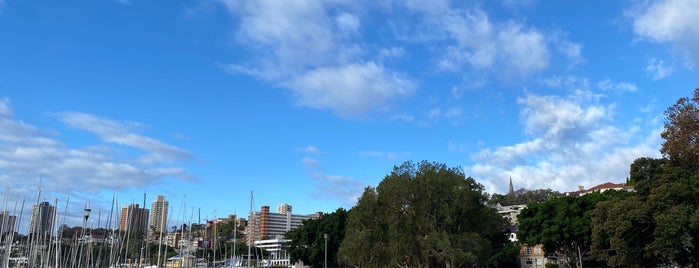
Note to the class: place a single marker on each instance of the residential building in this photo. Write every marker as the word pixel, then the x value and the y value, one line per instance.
pixel 7 223
pixel 601 188
pixel 43 216
pixel 133 219
pixel 532 256
pixel 263 225
pixel 283 208
pixel 158 217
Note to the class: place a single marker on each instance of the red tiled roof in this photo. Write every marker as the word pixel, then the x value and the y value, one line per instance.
pixel 606 185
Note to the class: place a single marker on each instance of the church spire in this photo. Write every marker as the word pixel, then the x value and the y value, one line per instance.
pixel 512 189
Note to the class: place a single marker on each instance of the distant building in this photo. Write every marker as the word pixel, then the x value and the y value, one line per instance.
pixel 158 218
pixel 7 223
pixel 43 216
pixel 283 208
pixel 277 248
pixel 532 256
pixel 510 213
pixel 133 219
pixel 601 188
pixel 264 225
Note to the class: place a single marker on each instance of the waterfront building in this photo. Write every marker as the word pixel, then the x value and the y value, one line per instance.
pixel 158 218
pixel 277 248
pixel 7 223
pixel 264 225
pixel 133 219
pixel 41 223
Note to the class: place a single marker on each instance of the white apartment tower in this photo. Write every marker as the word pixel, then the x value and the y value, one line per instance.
pixel 158 216
pixel 284 208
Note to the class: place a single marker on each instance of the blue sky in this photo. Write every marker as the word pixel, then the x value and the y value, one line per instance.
pixel 308 102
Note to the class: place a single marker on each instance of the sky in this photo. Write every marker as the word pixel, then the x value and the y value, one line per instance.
pixel 308 102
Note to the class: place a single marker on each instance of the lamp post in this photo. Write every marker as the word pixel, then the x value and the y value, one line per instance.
pixel 325 263
pixel 86 216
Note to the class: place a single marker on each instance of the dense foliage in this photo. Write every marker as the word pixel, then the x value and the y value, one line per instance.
pixel 308 241
pixel 424 215
pixel 563 224
pixel 660 224
pixel 522 197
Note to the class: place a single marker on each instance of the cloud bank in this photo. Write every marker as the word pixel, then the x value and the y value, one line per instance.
pixel 28 153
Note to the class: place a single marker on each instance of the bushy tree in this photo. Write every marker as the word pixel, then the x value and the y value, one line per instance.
pixel 308 241
pixel 523 197
pixel 660 224
pixel 424 215
pixel 563 224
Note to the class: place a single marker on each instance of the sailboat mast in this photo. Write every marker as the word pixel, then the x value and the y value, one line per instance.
pixel 251 230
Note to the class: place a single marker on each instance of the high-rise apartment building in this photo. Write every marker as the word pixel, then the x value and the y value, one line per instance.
pixel 133 219
pixel 266 225
pixel 283 208
pixel 7 223
pixel 42 219
pixel 158 216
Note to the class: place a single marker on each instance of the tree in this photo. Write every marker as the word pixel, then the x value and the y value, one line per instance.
pixel 681 133
pixel 563 224
pixel 660 224
pixel 424 215
pixel 308 241
pixel 523 197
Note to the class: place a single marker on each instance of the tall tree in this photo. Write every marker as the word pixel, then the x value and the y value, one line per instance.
pixel 681 132
pixel 424 215
pixel 563 224
pixel 660 224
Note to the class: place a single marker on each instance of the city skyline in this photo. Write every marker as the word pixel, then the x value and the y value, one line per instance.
pixel 309 102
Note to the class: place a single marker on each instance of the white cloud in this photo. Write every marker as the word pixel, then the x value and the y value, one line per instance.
pixel 575 144
pixel 609 85
pixel 379 154
pixel 515 4
pixel 347 23
pixel 391 52
pixel 333 187
pixel 351 90
pixel 403 117
pixel 670 21
pixel 119 133
pixel 310 149
pixel 525 51
pixel 566 82
pixel 311 162
pixel 657 69
pixel 508 49
pixel 26 153
pixel 300 46
pixel 572 51
pixel 5 109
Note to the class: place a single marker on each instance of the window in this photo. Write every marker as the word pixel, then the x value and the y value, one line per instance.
pixel 528 261
pixel 537 251
pixel 528 251
pixel 539 261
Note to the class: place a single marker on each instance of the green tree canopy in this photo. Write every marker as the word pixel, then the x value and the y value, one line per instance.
pixel 523 197
pixel 308 241
pixel 660 224
pixel 424 215
pixel 563 224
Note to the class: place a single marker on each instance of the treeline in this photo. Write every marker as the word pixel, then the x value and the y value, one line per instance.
pixel 430 215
